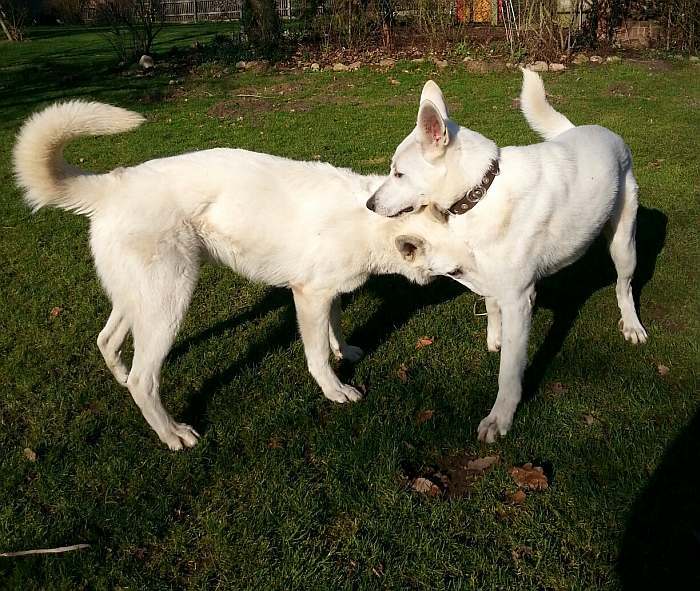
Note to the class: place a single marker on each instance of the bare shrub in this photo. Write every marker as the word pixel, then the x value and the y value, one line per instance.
pixel 133 25
pixel 66 11
pixel 434 18
pixel 540 29
pixel 680 19
pixel 349 23
pixel 13 18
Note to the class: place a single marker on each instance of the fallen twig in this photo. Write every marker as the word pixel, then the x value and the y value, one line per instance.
pixel 258 96
pixel 60 550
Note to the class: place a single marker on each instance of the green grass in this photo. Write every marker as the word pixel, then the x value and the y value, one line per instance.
pixel 328 509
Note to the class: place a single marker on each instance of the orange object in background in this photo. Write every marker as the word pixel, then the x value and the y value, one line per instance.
pixel 473 11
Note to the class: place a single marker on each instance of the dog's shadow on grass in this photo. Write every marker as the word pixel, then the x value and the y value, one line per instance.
pixel 661 544
pixel 566 292
pixel 400 301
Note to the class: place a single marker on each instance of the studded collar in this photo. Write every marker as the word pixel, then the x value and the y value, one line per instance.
pixel 476 194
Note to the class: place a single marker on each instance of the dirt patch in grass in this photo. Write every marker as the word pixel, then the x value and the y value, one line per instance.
pixel 659 313
pixel 652 65
pixel 262 101
pixel 452 476
pixel 620 89
pixel 401 100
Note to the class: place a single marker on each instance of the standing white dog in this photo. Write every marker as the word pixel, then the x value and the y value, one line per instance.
pixel 522 213
pixel 296 224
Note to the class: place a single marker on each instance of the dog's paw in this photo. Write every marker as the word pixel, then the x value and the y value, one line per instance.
pixel 495 424
pixel 633 331
pixel 179 436
pixel 343 393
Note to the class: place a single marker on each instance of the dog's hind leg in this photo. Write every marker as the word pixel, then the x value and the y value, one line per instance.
pixel 110 340
pixel 340 349
pixel 165 290
pixel 314 317
pixel 620 232
pixel 493 329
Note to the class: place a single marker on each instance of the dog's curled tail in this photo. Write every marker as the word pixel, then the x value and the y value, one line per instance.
pixel 539 114
pixel 38 154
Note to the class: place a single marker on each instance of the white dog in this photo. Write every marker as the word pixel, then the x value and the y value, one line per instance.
pixel 296 224
pixel 521 213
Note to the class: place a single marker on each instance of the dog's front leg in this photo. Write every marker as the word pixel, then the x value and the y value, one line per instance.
pixel 516 313
pixel 313 313
pixel 340 349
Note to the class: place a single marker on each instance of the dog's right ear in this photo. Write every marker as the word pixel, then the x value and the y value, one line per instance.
pixel 432 129
pixel 409 246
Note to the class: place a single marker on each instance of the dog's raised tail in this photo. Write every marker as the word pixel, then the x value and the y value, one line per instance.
pixel 539 114
pixel 38 154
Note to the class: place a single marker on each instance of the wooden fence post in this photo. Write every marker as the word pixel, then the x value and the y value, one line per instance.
pixel 195 11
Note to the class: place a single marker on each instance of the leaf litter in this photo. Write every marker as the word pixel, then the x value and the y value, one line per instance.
pixel 529 477
pixel 451 476
pixel 424 342
pixel 424 416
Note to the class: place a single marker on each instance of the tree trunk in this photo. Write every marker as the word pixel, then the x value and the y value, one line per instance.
pixel 261 24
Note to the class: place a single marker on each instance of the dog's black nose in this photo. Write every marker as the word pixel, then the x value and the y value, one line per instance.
pixel 371 203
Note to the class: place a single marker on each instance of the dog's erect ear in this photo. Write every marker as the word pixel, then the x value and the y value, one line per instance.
pixel 409 246
pixel 431 92
pixel 432 130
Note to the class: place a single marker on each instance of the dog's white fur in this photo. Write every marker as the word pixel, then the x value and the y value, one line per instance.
pixel 303 225
pixel 541 213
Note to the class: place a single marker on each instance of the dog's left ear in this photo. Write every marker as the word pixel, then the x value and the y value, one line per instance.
pixel 432 129
pixel 409 246
pixel 431 92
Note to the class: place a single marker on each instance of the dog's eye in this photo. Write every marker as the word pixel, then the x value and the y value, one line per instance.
pixel 398 174
pixel 456 272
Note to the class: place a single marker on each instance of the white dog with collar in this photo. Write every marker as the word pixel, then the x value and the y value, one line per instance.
pixel 540 213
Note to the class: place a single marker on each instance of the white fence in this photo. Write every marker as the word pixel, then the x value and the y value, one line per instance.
pixel 193 11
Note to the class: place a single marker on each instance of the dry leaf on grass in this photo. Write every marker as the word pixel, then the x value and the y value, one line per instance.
pixel 29 454
pixel 516 498
pixel 589 419
pixel 56 311
pixel 402 373
pixel 394 82
pixel 482 464
pixel 662 369
pixel 530 477
pixel 423 416
pixel 424 342
pixel 425 487
pixel 558 388
pixel 275 443
pixel 521 552
pixel 378 570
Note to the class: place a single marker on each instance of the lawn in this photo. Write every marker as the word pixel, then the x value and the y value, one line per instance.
pixel 287 490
